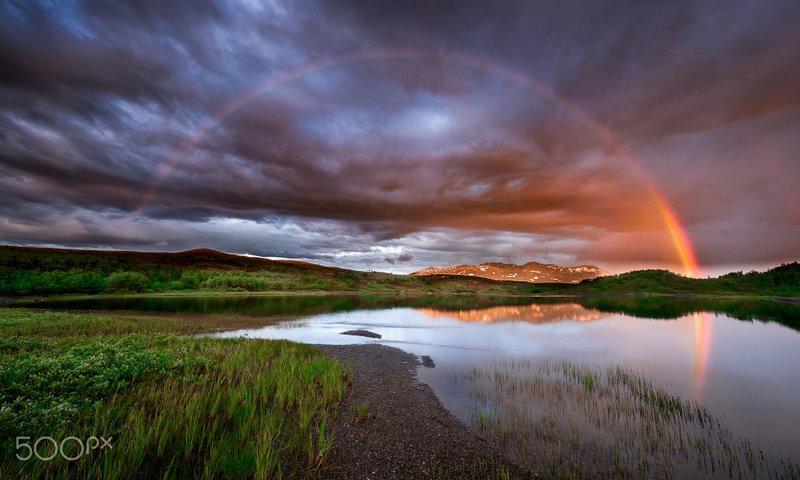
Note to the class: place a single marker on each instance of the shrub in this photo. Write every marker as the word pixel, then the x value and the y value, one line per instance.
pixel 127 281
pixel 190 280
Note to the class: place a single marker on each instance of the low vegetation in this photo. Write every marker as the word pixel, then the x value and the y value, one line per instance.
pixel 779 281
pixel 173 405
pixel 32 271
pixel 571 420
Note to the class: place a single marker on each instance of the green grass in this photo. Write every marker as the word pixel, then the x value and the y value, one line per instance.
pixel 175 405
pixel 570 420
pixel 361 412
pixel 22 324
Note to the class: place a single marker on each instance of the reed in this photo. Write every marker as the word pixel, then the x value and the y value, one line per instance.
pixel 572 420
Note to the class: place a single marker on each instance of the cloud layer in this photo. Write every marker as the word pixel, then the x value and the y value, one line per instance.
pixel 399 160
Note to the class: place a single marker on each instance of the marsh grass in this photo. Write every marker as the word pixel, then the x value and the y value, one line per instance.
pixel 571 420
pixel 22 324
pixel 175 405
pixel 361 412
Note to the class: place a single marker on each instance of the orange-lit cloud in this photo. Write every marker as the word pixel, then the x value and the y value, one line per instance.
pixel 620 134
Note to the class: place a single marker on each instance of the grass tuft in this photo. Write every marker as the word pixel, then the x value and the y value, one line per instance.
pixel 361 412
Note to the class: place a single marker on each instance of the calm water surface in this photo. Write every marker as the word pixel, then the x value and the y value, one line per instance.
pixel 739 358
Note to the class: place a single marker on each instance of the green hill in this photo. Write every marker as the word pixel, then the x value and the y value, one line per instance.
pixel 47 271
pixel 780 281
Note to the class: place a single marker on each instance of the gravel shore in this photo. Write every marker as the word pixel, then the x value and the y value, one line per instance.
pixel 406 432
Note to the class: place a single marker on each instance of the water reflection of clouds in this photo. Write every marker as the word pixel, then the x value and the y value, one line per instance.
pixel 744 354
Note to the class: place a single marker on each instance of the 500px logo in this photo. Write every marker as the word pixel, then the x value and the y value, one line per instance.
pixel 70 448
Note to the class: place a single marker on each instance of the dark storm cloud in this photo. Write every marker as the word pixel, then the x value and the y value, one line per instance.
pixel 404 258
pixel 403 160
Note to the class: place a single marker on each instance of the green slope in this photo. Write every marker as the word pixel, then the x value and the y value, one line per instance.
pixel 37 271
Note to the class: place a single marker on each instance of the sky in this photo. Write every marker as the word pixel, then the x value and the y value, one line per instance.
pixel 398 135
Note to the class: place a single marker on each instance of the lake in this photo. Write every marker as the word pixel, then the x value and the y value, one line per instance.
pixel 739 358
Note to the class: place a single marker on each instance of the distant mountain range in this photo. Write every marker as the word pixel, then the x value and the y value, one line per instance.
pixel 532 272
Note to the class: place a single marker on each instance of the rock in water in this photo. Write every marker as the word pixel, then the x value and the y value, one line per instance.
pixel 362 333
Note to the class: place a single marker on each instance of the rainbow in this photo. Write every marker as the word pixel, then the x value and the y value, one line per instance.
pixel 702 347
pixel 680 239
pixel 677 232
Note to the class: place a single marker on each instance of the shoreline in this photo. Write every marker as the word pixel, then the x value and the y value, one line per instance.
pixel 37 299
pixel 391 425
pixel 280 293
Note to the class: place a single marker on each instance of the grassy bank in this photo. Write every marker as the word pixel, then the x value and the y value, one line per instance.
pixel 574 421
pixel 173 404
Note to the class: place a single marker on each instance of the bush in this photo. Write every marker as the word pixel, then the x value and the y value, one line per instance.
pixel 190 280
pixel 127 281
